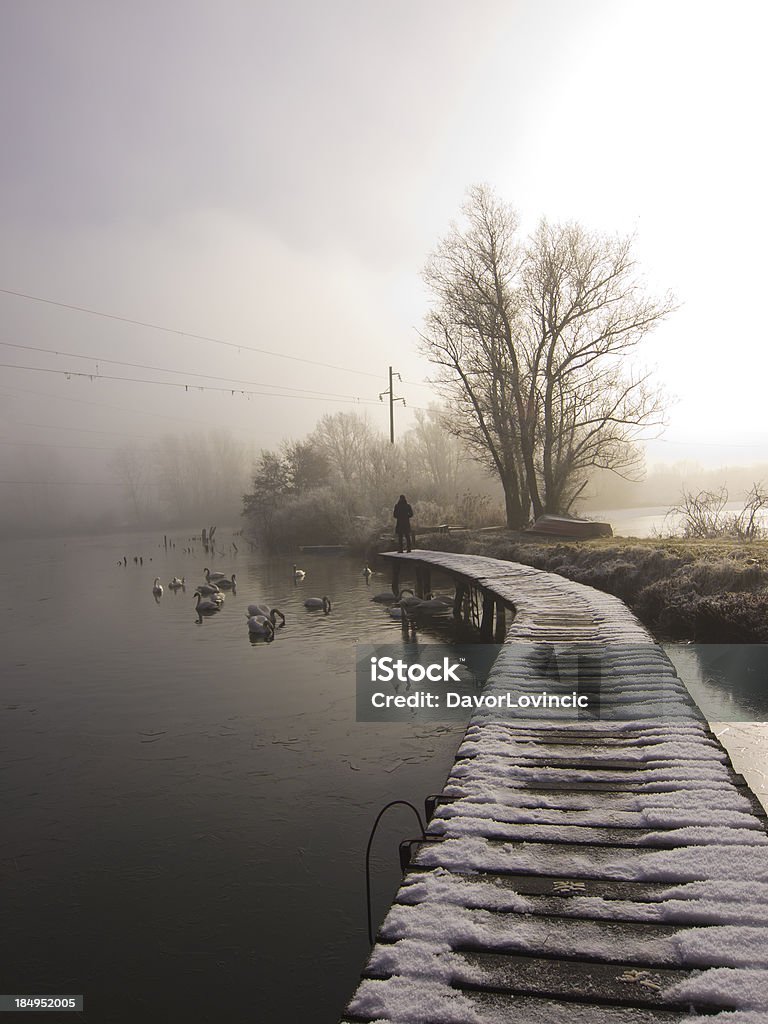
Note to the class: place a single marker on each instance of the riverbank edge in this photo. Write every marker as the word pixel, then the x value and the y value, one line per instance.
pixel 706 591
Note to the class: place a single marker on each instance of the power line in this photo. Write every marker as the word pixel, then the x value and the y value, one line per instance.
pixel 164 369
pixel 179 384
pixel 104 405
pixel 184 334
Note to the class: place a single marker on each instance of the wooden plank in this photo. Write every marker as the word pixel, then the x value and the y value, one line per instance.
pixel 609 958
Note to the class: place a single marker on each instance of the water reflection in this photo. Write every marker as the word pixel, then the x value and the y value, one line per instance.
pixel 729 682
pixel 230 801
pixel 260 638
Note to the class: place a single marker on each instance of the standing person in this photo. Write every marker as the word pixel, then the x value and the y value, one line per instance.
pixel 403 513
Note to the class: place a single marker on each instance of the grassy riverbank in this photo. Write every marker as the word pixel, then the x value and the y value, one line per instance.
pixel 708 591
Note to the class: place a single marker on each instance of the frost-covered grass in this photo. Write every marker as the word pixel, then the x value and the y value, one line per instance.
pixel 708 591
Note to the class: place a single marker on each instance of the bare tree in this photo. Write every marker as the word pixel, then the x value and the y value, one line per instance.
pixel 433 455
pixel 344 437
pixel 705 514
pixel 532 339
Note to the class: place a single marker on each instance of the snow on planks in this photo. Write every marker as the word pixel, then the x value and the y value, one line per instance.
pixel 610 871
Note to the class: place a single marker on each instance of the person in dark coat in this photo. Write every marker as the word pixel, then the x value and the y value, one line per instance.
pixel 403 513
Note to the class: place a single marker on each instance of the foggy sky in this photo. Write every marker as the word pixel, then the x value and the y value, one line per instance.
pixel 276 174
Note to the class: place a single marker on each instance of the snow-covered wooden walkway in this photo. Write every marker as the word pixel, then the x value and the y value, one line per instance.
pixel 609 870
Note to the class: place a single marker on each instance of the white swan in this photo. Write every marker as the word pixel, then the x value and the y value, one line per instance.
pixel 319 602
pixel 205 606
pixel 298 574
pixel 207 589
pixel 261 610
pixel 435 606
pixel 387 597
pixel 256 609
pixel 176 582
pixel 260 625
pixel 367 571
pixel 225 584
pixel 157 589
pixel 214 577
pixel 217 598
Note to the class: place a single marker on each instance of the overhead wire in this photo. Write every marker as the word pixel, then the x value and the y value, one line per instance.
pixel 164 369
pixel 184 334
pixel 93 376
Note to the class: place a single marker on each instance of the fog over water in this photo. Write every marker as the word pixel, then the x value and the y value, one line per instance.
pixel 265 181
pixel 215 219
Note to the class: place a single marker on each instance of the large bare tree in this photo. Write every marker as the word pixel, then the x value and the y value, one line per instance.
pixel 533 337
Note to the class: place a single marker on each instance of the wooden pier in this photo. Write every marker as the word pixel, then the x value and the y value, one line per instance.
pixel 602 870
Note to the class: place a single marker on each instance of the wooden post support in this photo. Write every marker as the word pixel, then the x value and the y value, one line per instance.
pixel 395 576
pixel 501 623
pixel 419 581
pixel 458 601
pixel 486 622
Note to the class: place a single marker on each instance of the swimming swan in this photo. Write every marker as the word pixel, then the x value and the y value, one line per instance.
pixel 298 574
pixel 225 584
pixel 257 609
pixel 206 606
pixel 266 613
pixel 318 602
pixel 260 625
pixel 157 589
pixel 435 606
pixel 214 577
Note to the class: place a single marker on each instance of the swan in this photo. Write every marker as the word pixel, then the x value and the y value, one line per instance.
pixel 157 589
pixel 256 609
pixel 385 598
pixel 318 602
pixel 298 574
pixel 264 612
pixel 214 577
pixel 217 598
pixel 225 584
pixel 176 582
pixel 260 625
pixel 205 606
pixel 207 589
pixel 367 571
pixel 435 606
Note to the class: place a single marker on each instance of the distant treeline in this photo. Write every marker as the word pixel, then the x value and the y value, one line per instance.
pixel 340 483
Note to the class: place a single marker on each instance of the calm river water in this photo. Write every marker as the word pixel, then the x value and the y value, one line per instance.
pixel 185 813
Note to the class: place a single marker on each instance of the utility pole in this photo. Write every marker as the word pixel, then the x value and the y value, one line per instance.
pixel 391 392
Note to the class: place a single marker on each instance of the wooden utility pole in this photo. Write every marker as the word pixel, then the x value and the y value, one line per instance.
pixel 391 392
